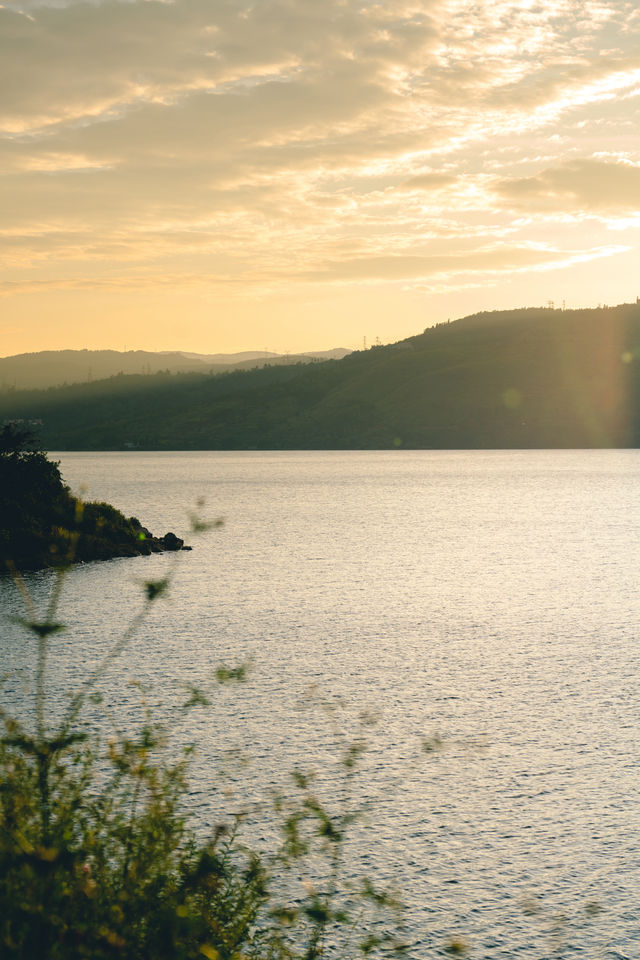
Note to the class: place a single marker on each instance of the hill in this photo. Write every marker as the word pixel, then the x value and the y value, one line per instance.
pixel 53 368
pixel 523 378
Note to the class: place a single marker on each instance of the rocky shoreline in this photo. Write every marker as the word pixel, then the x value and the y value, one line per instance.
pixel 94 537
pixel 141 543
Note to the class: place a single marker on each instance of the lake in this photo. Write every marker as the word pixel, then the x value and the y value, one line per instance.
pixel 489 600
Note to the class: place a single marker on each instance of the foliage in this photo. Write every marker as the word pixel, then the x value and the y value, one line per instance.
pixel 98 859
pixel 42 524
pixel 111 872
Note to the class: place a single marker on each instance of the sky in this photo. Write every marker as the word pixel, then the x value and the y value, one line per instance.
pixel 223 175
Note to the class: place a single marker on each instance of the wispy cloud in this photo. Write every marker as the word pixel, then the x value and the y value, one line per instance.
pixel 271 144
pixel 583 185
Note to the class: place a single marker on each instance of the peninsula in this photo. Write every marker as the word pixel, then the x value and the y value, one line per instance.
pixel 43 525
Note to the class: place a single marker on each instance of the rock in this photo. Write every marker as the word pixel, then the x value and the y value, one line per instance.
pixel 171 542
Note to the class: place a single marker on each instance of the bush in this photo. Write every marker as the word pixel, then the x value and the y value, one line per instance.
pixel 114 872
pixel 98 860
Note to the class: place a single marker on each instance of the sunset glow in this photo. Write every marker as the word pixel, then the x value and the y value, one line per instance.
pixel 220 175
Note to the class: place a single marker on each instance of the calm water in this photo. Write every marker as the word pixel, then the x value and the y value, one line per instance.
pixel 490 598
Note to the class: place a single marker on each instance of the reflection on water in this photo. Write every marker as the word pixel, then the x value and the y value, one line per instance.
pixel 488 599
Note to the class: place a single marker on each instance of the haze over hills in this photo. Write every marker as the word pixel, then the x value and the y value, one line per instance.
pixel 52 368
pixel 534 377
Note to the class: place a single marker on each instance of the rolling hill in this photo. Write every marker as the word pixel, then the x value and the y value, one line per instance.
pixel 53 368
pixel 534 377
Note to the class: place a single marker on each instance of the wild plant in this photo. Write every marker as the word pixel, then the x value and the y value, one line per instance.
pixel 99 858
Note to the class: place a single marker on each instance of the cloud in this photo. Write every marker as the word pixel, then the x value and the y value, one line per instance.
pixel 85 59
pixel 261 142
pixel 428 181
pixel 586 184
pixel 455 270
pixel 408 267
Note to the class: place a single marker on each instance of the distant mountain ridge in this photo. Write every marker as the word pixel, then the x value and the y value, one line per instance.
pixel 532 377
pixel 53 368
pixel 233 359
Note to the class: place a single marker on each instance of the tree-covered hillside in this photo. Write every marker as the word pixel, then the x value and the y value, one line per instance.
pixel 523 378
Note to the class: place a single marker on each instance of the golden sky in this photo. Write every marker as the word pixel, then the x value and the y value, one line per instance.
pixel 219 175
